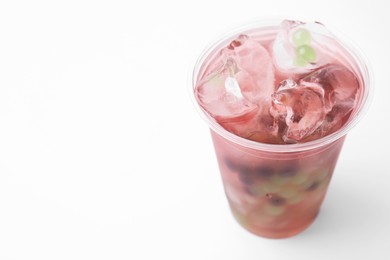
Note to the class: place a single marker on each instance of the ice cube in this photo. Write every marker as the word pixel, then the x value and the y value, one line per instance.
pixel 220 95
pixel 239 86
pixel 301 47
pixel 298 110
pixel 255 70
pixel 256 126
pixel 316 106
pixel 340 94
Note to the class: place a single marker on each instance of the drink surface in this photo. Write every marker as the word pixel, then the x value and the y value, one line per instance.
pixel 287 84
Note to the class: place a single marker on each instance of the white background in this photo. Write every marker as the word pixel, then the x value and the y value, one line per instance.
pixel 103 156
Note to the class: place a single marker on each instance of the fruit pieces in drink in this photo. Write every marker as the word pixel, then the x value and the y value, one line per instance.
pixel 275 195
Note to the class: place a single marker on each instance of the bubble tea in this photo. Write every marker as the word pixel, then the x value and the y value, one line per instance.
pixel 279 100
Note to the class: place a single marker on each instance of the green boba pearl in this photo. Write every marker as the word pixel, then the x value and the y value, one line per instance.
pixel 279 181
pixel 300 62
pixel 299 179
pixel 301 37
pixel 306 52
pixel 271 188
pixel 257 190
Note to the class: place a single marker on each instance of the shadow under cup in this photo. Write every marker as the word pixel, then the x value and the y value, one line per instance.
pixel 276 190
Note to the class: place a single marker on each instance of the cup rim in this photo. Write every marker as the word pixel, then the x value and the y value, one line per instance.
pixel 362 67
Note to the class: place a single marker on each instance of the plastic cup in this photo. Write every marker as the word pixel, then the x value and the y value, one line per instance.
pixel 275 190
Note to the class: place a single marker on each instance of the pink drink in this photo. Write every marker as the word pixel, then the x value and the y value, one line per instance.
pixel 279 101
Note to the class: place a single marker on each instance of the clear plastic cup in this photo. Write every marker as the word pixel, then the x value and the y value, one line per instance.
pixel 276 190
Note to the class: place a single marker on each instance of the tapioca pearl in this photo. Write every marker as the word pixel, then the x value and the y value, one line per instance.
pixel 288 192
pixel 301 37
pixel 279 181
pixel 263 172
pixel 256 190
pixel 309 181
pixel 312 186
pixel 296 198
pixel 246 175
pixel 299 178
pixel 275 199
pixel 271 188
pixel 299 61
pixel 273 210
pixel 287 172
pixel 319 183
pixel 230 164
pixel 306 52
pixel 324 184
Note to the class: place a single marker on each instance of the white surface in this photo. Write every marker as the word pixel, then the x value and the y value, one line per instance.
pixel 102 155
